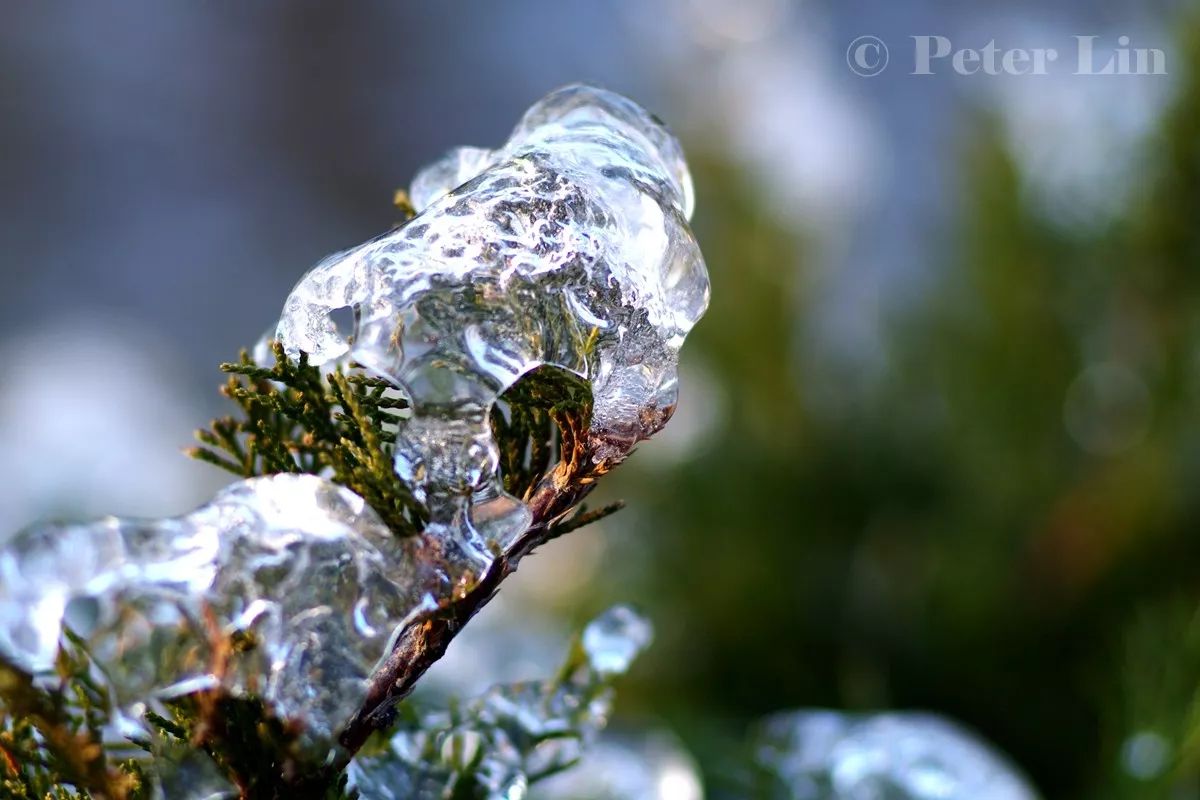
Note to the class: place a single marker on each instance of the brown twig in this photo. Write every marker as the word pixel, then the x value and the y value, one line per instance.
pixel 425 641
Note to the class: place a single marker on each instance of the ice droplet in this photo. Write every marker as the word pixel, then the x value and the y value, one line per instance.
pixel 509 736
pixel 825 755
pixel 615 638
pixel 569 247
pixel 299 569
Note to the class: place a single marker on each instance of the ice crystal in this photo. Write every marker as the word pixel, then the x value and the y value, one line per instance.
pixel 297 571
pixel 494 746
pixel 567 247
pixel 824 755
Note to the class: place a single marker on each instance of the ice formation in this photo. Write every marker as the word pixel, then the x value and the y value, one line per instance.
pixel 825 755
pixel 299 569
pixel 499 743
pixel 567 247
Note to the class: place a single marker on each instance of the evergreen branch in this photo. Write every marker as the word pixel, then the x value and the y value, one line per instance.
pixel 530 434
pixel 581 518
pixel 550 499
pixel 344 425
pixel 296 420
pixel 293 419
pixel 51 740
pixel 403 204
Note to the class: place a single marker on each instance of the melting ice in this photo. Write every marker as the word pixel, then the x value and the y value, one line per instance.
pixel 495 746
pixel 569 246
pixel 299 568
pixel 824 755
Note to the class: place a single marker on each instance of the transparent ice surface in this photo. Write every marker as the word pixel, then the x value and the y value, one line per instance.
pixel 494 746
pixel 297 569
pixel 825 755
pixel 569 246
pixel 614 640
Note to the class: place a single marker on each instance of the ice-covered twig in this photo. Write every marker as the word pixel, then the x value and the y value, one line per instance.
pixel 511 735
pixel 423 643
pixel 562 259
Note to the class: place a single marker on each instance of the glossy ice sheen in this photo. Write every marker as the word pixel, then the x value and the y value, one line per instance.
pixel 510 735
pixel 825 755
pixel 614 640
pixel 299 566
pixel 569 246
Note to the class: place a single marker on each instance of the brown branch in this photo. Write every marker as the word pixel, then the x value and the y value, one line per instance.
pixel 425 641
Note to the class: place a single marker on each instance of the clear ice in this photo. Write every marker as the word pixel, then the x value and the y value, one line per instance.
pixel 298 568
pixel 567 247
pixel 494 746
pixel 825 755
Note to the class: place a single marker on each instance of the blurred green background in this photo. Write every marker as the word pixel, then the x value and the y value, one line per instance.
pixel 939 439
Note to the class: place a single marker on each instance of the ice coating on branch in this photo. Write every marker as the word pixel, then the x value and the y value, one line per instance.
pixel 569 247
pixel 825 755
pixel 296 569
pixel 453 169
pixel 497 744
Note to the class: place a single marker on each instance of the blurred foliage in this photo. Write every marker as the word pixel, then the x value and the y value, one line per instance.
pixel 49 739
pixel 1004 530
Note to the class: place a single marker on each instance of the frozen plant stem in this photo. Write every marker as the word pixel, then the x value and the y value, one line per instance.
pixel 294 419
pixel 423 643
pixel 566 251
pixel 512 342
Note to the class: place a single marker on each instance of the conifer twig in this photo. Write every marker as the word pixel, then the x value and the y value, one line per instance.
pixel 343 425
pixel 424 642
pixel 296 420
